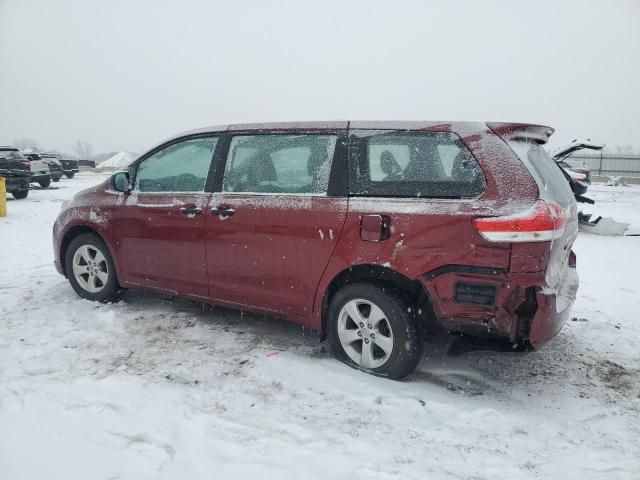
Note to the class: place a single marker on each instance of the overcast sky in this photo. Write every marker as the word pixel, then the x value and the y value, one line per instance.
pixel 126 74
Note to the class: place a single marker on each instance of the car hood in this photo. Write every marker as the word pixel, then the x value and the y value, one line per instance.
pixel 50 161
pixel 574 175
pixel 573 147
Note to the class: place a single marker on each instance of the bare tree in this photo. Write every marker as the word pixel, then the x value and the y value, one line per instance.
pixel 83 149
pixel 26 143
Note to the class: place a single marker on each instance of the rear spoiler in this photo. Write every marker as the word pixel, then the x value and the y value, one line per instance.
pixel 524 131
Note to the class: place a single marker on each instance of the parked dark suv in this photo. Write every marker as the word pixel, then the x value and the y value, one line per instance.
pixel 364 231
pixel 15 168
pixel 70 167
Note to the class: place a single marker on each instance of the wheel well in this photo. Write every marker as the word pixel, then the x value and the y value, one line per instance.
pixel 411 291
pixel 70 235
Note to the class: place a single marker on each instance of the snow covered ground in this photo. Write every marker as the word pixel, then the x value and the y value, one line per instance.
pixel 154 388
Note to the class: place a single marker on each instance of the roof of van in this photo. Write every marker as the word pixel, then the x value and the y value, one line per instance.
pixel 366 124
pixel 540 132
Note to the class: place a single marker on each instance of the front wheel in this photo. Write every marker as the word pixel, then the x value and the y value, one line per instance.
pixel 90 269
pixel 20 194
pixel 372 329
pixel 45 182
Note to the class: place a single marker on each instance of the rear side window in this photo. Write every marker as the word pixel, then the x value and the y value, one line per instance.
pixel 279 164
pixel 11 155
pixel 180 167
pixel 413 164
pixel 548 175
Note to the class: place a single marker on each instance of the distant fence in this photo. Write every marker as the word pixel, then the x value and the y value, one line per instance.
pixel 611 164
pixel 607 165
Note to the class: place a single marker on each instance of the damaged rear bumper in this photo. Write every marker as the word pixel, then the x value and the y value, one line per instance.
pixel 554 308
pixel 517 308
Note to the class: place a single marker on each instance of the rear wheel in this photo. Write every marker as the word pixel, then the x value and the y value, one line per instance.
pixel 374 330
pixel 45 182
pixel 69 175
pixel 56 179
pixel 20 194
pixel 90 269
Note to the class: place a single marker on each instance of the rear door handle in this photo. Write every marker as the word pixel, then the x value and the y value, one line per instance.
pixel 223 212
pixel 190 211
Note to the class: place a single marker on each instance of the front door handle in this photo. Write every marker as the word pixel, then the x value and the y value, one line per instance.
pixel 190 211
pixel 223 212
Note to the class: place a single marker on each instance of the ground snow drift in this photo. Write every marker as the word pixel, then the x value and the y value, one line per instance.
pixel 154 388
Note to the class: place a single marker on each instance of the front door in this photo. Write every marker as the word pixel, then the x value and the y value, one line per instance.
pixel 272 229
pixel 159 233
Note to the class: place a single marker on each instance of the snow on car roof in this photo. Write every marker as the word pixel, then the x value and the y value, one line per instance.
pixel 540 132
pixel 360 124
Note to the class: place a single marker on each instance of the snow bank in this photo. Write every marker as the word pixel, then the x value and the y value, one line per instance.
pixel 119 161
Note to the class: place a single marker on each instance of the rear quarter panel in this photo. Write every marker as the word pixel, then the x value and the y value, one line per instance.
pixel 430 233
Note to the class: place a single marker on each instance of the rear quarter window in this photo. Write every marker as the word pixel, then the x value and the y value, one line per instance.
pixel 413 164
pixel 548 175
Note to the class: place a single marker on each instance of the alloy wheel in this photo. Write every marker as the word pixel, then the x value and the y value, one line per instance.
pixel 365 333
pixel 90 268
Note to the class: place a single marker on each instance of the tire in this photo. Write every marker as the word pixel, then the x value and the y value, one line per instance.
pixel 20 194
pixel 56 179
pixel 69 175
pixel 45 182
pixel 387 321
pixel 97 280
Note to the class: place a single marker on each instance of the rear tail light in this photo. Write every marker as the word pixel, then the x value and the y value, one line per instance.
pixel 24 164
pixel 543 222
pixel 580 178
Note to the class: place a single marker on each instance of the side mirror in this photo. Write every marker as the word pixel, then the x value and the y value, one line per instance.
pixel 120 181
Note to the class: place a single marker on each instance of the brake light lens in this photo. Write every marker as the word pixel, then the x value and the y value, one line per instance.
pixel 580 178
pixel 543 222
pixel 24 164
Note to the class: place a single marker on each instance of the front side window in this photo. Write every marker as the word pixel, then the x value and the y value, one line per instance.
pixel 413 164
pixel 180 167
pixel 279 164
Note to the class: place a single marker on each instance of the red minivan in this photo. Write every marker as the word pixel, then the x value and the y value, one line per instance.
pixel 365 231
